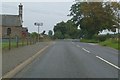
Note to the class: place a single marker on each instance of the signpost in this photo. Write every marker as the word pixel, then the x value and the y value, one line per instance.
pixel 38 24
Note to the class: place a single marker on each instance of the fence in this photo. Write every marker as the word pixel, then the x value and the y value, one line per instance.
pixel 16 42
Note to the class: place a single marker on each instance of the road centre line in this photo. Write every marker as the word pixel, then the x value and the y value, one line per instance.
pixel 86 50
pixel 108 62
pixel 102 59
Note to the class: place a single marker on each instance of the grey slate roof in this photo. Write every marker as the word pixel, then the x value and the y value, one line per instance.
pixel 10 20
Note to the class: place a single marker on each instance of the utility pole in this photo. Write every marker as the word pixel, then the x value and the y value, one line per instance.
pixel 38 24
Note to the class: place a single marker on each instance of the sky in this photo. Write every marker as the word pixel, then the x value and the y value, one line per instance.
pixel 49 13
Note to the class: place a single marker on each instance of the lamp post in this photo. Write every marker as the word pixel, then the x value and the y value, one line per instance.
pixel 38 24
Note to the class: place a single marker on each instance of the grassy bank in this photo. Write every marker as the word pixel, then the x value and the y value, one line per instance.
pixel 89 41
pixel 109 42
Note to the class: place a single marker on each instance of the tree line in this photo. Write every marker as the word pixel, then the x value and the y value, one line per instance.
pixel 91 17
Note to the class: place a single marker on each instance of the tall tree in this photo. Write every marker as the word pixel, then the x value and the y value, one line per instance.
pixel 66 30
pixel 93 17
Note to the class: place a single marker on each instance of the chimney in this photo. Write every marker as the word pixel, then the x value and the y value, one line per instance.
pixel 20 12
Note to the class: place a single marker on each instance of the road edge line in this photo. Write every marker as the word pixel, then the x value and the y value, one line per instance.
pixel 18 68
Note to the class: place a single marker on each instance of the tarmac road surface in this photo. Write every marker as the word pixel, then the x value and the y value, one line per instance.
pixel 69 59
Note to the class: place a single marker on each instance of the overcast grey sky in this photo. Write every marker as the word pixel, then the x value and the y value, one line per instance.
pixel 49 13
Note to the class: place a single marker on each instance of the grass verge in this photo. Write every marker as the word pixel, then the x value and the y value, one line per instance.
pixel 89 41
pixel 5 45
pixel 109 42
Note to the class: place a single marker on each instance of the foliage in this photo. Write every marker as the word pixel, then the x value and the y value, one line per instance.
pixel 111 43
pixel 67 29
pixel 50 33
pixel 89 41
pixel 58 34
pixel 94 17
pixel 34 34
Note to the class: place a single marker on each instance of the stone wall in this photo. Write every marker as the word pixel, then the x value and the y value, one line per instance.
pixel 15 31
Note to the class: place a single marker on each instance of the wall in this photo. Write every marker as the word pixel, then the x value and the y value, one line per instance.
pixel 15 31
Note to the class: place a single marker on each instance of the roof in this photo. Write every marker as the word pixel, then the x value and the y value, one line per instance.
pixel 10 20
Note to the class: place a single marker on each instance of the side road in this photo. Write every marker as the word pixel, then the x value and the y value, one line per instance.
pixel 12 58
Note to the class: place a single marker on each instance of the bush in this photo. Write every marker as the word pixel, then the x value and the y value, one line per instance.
pixel 102 38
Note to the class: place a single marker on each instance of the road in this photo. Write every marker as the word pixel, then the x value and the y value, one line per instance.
pixel 12 58
pixel 69 59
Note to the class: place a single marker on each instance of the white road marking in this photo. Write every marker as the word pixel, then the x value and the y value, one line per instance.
pixel 108 62
pixel 92 44
pixel 77 45
pixel 86 50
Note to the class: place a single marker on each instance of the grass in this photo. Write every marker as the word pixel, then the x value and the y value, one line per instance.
pixel 89 41
pixel 5 45
pixel 109 42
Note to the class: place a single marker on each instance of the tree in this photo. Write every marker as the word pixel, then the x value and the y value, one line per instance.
pixel 59 30
pixel 58 35
pixel 93 17
pixel 66 30
pixel 34 34
pixel 72 30
pixel 50 33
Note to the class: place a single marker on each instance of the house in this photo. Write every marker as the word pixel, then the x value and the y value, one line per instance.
pixel 14 22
